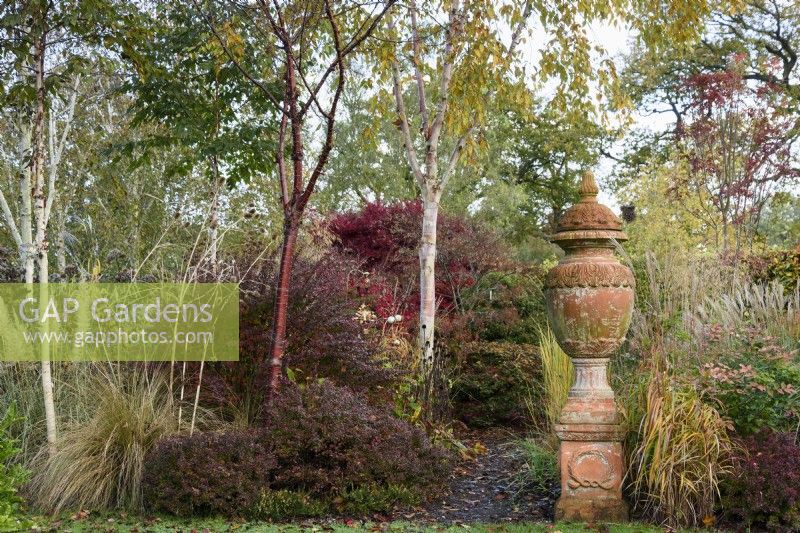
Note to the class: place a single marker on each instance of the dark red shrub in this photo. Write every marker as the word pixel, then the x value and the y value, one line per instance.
pixel 765 488
pixel 383 236
pixel 208 473
pixel 328 439
pixel 324 337
pixel 321 440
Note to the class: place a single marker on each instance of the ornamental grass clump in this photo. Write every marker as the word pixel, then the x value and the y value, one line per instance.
pixel 538 472
pixel 557 377
pixel 678 455
pixel 98 463
pixel 771 308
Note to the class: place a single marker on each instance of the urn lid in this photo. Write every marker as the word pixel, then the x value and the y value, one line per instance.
pixel 588 219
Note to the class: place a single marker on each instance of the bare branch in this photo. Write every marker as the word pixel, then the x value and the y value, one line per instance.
pixel 57 149
pixel 448 59
pixel 515 36
pixel 404 127
pixel 280 157
pixel 417 61
pixel 235 61
pixel 9 219
pixel 357 39
pixel 331 116
pixel 454 156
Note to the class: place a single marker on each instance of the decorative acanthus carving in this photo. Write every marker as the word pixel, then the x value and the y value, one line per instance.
pixel 571 275
pixel 600 347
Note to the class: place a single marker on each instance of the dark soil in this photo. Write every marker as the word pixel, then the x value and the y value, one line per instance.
pixel 483 489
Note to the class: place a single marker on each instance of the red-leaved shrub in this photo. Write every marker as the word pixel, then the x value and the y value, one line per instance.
pixel 765 488
pixel 386 239
pixel 321 440
pixel 208 473
pixel 327 439
pixel 324 337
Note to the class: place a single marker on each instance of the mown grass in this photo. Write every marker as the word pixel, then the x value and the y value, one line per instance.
pixel 121 523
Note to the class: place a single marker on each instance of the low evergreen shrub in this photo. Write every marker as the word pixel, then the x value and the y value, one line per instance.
pixel 278 505
pixel 12 476
pixel 374 498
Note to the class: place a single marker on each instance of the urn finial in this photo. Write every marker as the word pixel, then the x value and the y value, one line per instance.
pixel 588 189
pixel 588 219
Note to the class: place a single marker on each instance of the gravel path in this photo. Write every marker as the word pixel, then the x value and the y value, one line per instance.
pixel 483 489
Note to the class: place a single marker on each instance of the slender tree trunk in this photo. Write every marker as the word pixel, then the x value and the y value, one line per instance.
pixel 47 375
pixel 427 278
pixel 213 221
pixel 279 320
pixel 213 237
pixel 40 242
pixel 25 208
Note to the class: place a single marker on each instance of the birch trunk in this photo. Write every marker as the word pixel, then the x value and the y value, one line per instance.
pixel 427 279
pixel 40 242
pixel 213 222
pixel 47 373
pixel 61 247
pixel 25 208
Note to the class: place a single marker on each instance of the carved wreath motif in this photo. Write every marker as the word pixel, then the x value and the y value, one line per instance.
pixel 571 275
pixel 590 479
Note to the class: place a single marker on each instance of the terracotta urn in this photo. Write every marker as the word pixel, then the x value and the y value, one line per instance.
pixel 590 297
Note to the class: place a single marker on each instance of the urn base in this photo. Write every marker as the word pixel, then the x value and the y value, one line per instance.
pixel 591 477
pixel 579 510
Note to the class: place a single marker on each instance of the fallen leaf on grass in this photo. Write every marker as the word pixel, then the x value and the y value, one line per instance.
pixel 80 515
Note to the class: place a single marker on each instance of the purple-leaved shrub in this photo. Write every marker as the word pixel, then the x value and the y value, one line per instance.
pixel 318 440
pixel 764 490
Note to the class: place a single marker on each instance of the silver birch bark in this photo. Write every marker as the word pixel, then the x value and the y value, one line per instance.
pixel 35 203
pixel 431 180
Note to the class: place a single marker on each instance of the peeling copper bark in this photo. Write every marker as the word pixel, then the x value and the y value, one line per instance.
pixel 589 303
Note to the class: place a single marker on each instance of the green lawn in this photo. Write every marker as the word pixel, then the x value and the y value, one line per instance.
pixel 98 523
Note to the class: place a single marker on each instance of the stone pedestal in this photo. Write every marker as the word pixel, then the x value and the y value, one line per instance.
pixel 590 453
pixel 589 302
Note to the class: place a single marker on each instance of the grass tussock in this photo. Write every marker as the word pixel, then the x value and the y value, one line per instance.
pixel 538 471
pixel 21 386
pixel 771 307
pixel 681 451
pixel 557 376
pixel 98 463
